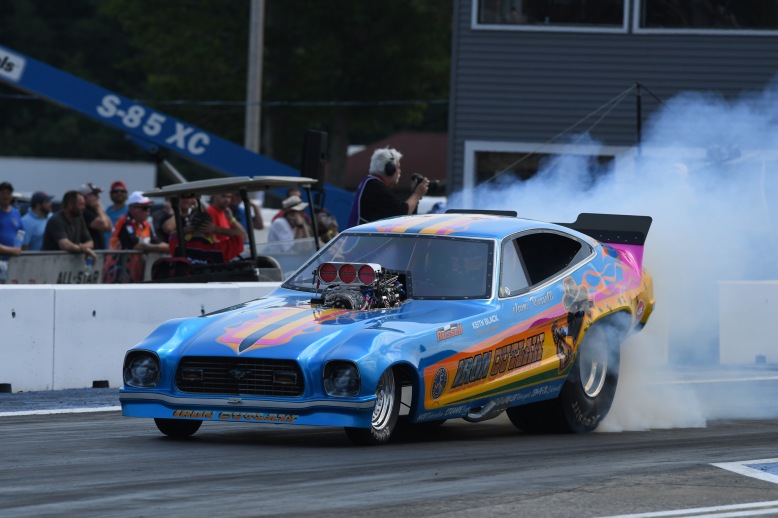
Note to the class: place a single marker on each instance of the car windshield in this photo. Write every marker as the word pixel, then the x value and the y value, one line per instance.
pixel 435 266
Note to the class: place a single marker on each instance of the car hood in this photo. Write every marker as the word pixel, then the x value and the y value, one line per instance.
pixel 288 326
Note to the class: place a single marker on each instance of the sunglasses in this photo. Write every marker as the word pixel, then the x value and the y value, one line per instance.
pixel 119 190
pixel 143 207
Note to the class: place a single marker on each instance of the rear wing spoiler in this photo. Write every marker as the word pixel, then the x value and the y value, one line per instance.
pixel 625 233
pixel 612 228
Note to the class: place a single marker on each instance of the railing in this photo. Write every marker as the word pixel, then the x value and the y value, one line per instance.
pixel 128 266
pixel 111 267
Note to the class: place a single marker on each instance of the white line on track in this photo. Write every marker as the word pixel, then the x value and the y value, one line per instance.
pixel 62 411
pixel 718 511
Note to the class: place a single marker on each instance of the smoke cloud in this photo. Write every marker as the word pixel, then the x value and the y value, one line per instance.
pixel 705 175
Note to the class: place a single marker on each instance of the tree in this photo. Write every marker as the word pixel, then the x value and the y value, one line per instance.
pixel 347 67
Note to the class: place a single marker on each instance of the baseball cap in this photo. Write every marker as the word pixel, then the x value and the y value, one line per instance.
pixel 90 188
pixel 119 184
pixel 294 203
pixel 137 198
pixel 40 197
pixel 6 186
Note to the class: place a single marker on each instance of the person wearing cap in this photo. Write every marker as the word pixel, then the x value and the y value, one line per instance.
pixel 225 223
pixel 35 220
pixel 97 221
pixel 133 231
pixel 291 225
pixel 374 198
pixel 118 194
pixel 10 223
pixel 66 230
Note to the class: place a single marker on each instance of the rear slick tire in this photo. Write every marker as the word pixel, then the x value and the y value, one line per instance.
pixel 385 413
pixel 587 393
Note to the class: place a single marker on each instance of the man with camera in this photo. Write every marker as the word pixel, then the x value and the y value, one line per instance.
pixel 374 198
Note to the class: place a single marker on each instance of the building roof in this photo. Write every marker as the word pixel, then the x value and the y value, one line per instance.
pixel 423 153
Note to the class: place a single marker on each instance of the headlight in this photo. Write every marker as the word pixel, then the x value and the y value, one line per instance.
pixel 141 371
pixel 341 379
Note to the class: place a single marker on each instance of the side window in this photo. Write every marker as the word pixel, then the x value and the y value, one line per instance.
pixel 513 278
pixel 545 254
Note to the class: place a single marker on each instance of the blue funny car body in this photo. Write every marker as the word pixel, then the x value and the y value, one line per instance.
pixel 411 320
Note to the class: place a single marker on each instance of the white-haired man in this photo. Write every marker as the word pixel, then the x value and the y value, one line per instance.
pixel 374 198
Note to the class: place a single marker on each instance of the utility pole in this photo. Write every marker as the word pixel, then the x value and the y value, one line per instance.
pixel 254 80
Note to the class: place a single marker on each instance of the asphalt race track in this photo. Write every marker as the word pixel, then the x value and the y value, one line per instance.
pixel 103 464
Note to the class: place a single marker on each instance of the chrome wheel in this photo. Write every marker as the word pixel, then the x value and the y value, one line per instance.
pixel 593 368
pixel 385 395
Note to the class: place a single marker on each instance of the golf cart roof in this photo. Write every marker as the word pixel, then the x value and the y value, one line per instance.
pixel 223 185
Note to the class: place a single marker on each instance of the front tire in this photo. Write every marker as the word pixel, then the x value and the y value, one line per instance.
pixel 385 413
pixel 587 394
pixel 177 428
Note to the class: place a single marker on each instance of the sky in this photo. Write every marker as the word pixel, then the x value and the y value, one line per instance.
pixel 705 178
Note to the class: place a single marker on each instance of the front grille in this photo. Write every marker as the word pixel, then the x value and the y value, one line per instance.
pixel 245 376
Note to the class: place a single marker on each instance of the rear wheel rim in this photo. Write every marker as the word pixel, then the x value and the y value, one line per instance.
pixel 384 401
pixel 593 369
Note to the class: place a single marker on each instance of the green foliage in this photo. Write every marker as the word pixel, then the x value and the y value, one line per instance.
pixel 328 65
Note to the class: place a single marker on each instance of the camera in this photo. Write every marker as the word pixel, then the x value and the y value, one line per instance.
pixel 432 188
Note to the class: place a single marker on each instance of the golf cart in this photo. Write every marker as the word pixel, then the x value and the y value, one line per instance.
pixel 253 266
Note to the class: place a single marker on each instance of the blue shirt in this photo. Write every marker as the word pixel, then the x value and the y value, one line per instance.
pixel 10 223
pixel 34 227
pixel 114 215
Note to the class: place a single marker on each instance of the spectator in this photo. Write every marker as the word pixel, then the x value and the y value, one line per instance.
pixel 133 231
pixel 292 191
pixel 35 220
pixel 10 223
pixel 374 199
pixel 118 209
pixel 201 247
pixel 225 224
pixel 328 225
pixel 66 230
pixel 291 225
pixel 236 205
pixel 97 221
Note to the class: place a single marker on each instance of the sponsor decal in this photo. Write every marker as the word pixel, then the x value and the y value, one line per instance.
pixel 640 309
pixel 517 354
pixel 439 383
pixel 11 65
pixel 194 414
pixel 472 369
pixel 519 308
pixel 544 299
pixel 533 302
pixel 449 331
pixel 257 417
pixel 486 321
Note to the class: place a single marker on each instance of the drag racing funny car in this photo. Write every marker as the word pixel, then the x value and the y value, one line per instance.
pixel 407 322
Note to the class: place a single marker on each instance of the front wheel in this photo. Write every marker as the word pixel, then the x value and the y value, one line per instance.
pixel 587 394
pixel 177 427
pixel 385 413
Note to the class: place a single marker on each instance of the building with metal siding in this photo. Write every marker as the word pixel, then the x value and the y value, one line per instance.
pixel 516 87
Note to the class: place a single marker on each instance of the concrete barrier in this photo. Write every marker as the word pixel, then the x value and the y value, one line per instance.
pixel 67 336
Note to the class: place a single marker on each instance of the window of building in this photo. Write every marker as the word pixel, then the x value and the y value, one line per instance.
pixel 728 15
pixel 490 165
pixel 588 15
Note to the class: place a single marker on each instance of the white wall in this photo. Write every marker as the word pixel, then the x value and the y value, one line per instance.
pixel 746 313
pixel 57 176
pixel 67 336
